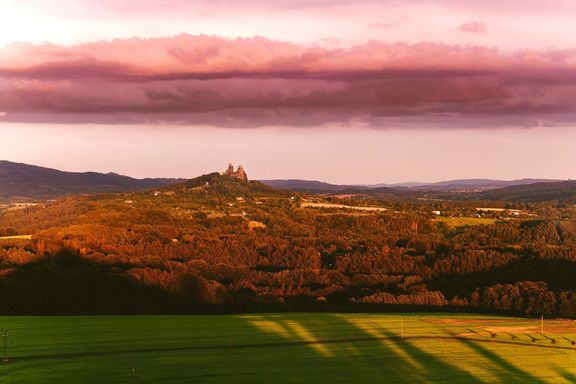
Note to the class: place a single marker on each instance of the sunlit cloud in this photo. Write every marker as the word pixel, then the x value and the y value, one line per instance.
pixel 514 25
pixel 190 78
pixel 473 27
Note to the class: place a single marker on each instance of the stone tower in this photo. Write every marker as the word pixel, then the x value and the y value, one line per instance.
pixel 239 173
pixel 230 170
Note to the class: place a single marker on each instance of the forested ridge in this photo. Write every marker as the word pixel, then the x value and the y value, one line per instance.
pixel 28 182
pixel 219 244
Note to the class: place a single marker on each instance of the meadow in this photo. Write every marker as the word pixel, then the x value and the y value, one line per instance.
pixel 465 221
pixel 288 348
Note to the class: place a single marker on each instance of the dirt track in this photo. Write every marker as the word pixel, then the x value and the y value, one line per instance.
pixel 287 344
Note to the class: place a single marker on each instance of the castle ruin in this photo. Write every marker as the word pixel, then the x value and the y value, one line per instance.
pixel 239 173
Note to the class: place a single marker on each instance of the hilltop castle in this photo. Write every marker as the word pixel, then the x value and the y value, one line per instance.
pixel 239 173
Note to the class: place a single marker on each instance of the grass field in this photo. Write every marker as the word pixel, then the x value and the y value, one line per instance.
pixel 288 348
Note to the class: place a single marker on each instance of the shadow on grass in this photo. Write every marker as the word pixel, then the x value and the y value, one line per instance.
pixel 432 368
pixel 503 369
pixel 365 350
pixel 292 348
pixel 570 377
pixel 355 352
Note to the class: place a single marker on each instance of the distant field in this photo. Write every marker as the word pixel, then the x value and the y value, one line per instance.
pixel 17 206
pixel 464 221
pixel 288 348
pixel 22 237
pixel 310 204
pixel 499 210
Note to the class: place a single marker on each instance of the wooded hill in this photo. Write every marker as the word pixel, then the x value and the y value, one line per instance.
pixel 562 191
pixel 216 243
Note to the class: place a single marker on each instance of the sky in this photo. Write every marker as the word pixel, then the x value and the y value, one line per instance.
pixel 363 91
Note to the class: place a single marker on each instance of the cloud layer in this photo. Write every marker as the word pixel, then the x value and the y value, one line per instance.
pixel 257 81
pixel 114 7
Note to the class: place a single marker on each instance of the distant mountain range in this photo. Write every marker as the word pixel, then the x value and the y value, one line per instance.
pixel 527 190
pixel 462 184
pixel 562 191
pixel 309 185
pixel 23 181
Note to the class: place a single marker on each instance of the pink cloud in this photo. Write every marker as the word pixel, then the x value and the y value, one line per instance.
pixel 473 27
pixel 122 7
pixel 195 78
pixel 115 7
pixel 498 6
pixel 187 55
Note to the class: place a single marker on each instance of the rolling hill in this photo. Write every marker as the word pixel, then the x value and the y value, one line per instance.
pixel 479 184
pixel 28 182
pixel 448 185
pixel 23 181
pixel 216 184
pixel 563 191
pixel 309 185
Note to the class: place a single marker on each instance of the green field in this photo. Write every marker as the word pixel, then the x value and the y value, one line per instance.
pixel 288 348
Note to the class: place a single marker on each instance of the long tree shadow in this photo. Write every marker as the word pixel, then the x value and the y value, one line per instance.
pixel 321 350
pixel 505 370
pixel 570 377
pixel 289 348
pixel 360 353
pixel 433 369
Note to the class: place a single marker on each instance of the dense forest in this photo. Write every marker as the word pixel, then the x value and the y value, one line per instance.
pixel 218 244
